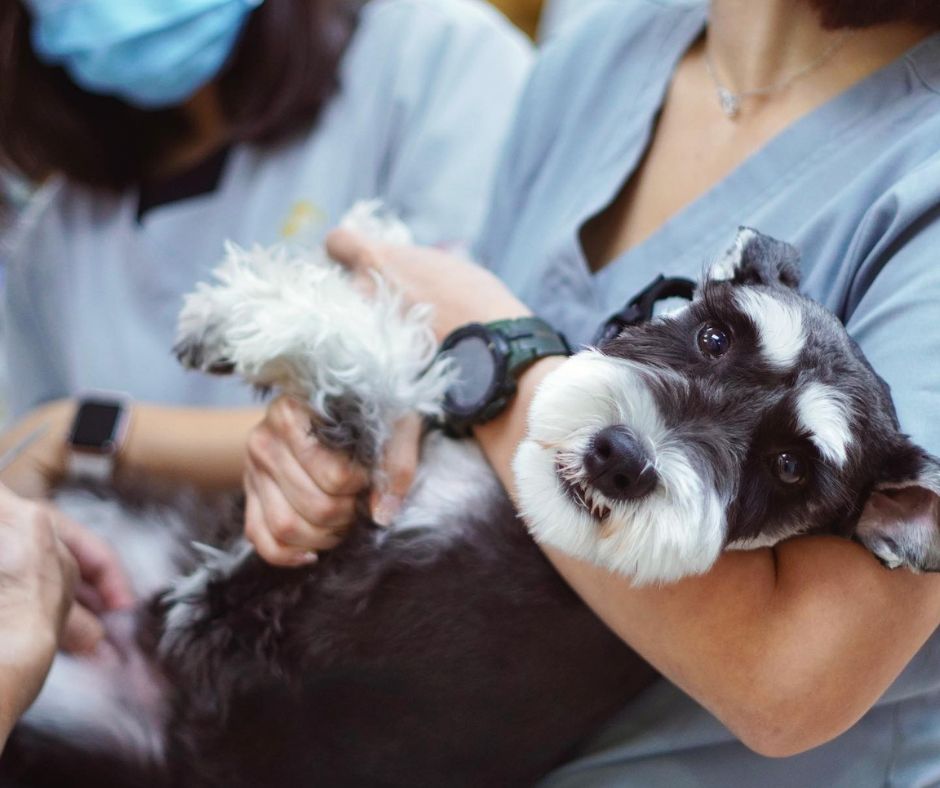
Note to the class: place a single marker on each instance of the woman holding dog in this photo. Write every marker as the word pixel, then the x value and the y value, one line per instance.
pixel 645 137
pixel 160 131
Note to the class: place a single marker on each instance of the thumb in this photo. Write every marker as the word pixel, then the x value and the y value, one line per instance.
pixel 82 631
pixel 356 252
pixel 398 470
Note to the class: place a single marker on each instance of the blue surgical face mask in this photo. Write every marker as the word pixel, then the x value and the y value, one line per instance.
pixel 150 53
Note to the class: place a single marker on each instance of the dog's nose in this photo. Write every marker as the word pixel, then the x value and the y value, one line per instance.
pixel 618 466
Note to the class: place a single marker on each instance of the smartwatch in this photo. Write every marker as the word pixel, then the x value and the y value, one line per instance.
pixel 96 435
pixel 489 358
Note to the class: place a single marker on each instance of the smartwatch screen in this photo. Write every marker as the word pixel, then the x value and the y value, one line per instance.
pixel 95 424
pixel 476 367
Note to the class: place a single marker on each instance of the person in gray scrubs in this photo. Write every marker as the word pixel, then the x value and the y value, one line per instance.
pixel 646 135
pixel 162 130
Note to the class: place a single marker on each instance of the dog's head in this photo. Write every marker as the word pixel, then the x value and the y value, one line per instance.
pixel 747 417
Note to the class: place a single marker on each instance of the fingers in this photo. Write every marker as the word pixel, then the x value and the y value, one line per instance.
pixel 300 497
pixel 280 534
pixel 82 631
pixel 305 492
pixel 285 433
pixel 269 521
pixel 288 493
pixel 98 565
pixel 354 251
pixel 399 466
pixel 257 532
pixel 41 574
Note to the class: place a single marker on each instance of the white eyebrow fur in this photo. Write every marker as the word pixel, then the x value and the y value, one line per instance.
pixel 724 269
pixel 779 326
pixel 823 412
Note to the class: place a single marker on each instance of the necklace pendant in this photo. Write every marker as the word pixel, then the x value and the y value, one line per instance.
pixel 730 102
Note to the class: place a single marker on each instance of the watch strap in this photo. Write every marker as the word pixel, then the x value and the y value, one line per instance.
pixel 529 339
pixel 97 463
pixel 524 340
pixel 89 465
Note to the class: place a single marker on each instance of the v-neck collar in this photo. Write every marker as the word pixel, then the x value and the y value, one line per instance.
pixel 704 222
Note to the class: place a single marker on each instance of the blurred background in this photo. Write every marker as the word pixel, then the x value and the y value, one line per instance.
pixel 541 19
pixel 525 14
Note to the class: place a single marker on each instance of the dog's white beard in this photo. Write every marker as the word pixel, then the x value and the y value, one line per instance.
pixel 677 530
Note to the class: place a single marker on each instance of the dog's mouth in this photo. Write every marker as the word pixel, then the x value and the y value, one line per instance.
pixel 582 495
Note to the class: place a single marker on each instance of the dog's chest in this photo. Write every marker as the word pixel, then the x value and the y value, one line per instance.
pixel 455 486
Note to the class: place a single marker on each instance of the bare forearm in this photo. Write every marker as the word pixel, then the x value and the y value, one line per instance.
pixel 5 729
pixel 12 703
pixel 788 646
pixel 198 446
pixel 501 437
pixel 6 725
pixel 25 659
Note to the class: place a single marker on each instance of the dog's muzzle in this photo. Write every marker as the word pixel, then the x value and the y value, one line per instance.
pixel 618 466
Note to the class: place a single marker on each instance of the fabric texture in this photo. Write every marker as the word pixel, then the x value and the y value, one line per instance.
pixel 855 185
pixel 150 53
pixel 428 89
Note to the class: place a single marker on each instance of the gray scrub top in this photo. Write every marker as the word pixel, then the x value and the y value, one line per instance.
pixel 428 89
pixel 856 186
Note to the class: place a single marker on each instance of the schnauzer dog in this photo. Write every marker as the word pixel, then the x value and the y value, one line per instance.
pixel 444 650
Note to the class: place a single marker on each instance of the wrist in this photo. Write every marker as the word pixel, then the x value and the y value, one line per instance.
pixel 7 721
pixel 527 384
pixel 487 360
pixel 501 437
pixel 25 659
pixel 506 307
pixel 56 419
pixel 63 414
pixel 97 434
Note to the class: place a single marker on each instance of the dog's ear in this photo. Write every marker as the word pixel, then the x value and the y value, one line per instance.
pixel 757 259
pixel 901 520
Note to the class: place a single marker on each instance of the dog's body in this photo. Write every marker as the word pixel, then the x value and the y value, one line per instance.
pixel 445 650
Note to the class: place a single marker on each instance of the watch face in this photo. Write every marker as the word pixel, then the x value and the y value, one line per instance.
pixel 95 424
pixel 477 370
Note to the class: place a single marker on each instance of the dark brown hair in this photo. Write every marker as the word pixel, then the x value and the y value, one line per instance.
pixel 280 75
pixel 866 13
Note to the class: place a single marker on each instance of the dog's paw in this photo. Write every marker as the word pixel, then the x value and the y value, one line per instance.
pixel 200 341
pixel 193 354
pixel 202 332
pixel 202 355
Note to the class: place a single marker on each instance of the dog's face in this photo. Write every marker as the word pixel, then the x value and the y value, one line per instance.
pixel 747 417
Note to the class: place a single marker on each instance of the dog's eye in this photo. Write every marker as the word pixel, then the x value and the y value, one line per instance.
pixel 713 341
pixel 789 468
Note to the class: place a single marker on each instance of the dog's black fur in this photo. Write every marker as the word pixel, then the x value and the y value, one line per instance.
pixel 445 653
pixel 295 678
